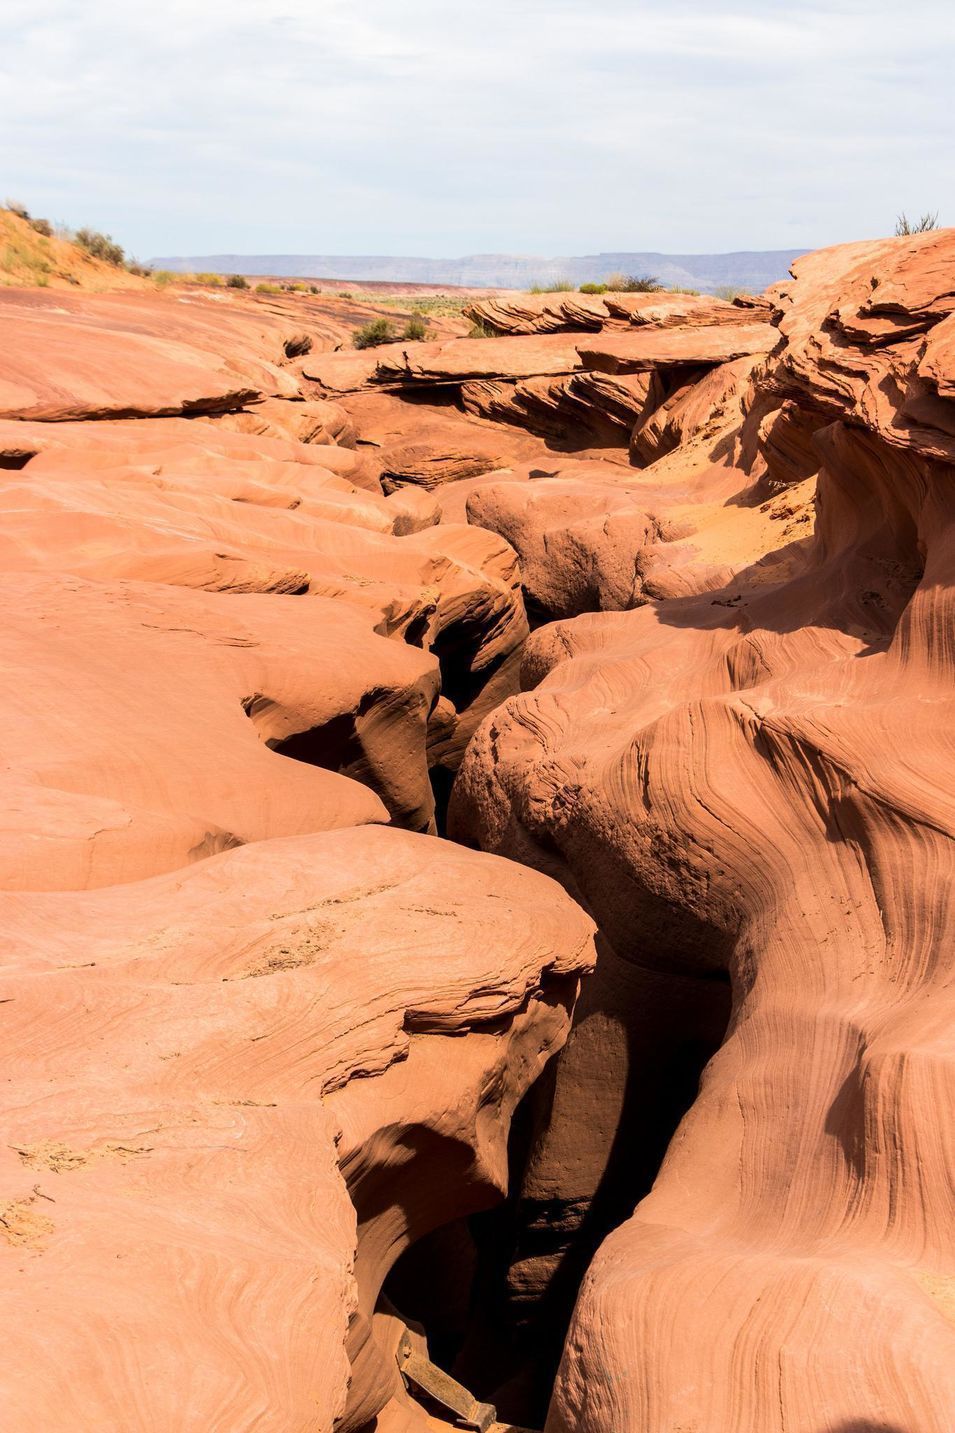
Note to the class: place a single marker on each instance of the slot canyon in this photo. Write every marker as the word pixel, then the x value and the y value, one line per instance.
pixel 546 731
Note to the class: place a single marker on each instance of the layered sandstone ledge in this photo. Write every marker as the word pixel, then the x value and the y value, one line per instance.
pixel 655 591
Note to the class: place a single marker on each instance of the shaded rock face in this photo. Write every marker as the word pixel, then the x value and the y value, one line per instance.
pixel 627 1106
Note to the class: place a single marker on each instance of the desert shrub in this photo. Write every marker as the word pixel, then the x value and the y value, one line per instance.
pixel 42 227
pixel 556 286
pixel 143 271
pixel 162 278
pixel 632 284
pixel 727 291
pixel 100 246
pixel 378 331
pixel 314 289
pixel 214 279
pixel 344 294
pixel 682 289
pixel 480 330
pixel 415 328
pixel 593 288
pixel 237 281
pixel 15 207
pixel 904 226
pixel 268 288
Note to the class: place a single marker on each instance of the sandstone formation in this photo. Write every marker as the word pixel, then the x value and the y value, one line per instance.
pixel 753 788
pixel 643 603
pixel 262 1069
pixel 576 312
pixel 222 641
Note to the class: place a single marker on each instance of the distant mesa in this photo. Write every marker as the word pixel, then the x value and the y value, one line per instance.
pixel 706 272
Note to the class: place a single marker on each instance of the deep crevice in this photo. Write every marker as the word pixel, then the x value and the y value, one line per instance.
pixel 494 1293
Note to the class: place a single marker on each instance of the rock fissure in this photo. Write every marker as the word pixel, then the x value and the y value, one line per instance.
pixel 623 1101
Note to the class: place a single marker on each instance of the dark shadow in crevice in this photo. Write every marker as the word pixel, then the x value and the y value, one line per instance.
pixel 334 745
pixel 496 1292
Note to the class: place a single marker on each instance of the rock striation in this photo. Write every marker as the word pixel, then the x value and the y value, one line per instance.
pixel 750 791
pixel 628 1106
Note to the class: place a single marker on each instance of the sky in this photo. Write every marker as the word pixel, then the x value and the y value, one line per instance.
pixel 449 127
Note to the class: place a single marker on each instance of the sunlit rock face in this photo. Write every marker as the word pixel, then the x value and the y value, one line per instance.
pixel 755 784
pixel 629 1104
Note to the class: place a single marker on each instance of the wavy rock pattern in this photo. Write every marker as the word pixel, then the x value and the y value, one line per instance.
pixel 280 1089
pixel 757 788
pixel 233 1047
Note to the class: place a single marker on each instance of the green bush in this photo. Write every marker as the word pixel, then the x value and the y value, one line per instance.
pixel 593 288
pixel 100 246
pixel 378 331
pixel 162 278
pixel 905 226
pixel 268 288
pixel 214 279
pixel 237 281
pixel 632 284
pixel 415 328
pixel 314 289
pixel 481 330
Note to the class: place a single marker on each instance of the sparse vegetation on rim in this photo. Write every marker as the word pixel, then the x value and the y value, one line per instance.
pixel 729 292
pixel 377 331
pixel 236 281
pixel 904 225
pixel 380 330
pixel 633 284
pixel 100 246
pixel 556 286
pixel 415 328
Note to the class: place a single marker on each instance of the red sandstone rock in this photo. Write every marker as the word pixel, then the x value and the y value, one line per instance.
pixel 453 361
pixel 649 348
pixel 753 785
pixel 212 1072
pixel 122 354
pixel 576 312
pixel 263 1045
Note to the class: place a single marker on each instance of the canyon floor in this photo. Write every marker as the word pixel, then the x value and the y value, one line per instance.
pixel 548 737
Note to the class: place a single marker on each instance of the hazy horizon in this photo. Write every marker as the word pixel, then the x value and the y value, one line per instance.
pixel 536 129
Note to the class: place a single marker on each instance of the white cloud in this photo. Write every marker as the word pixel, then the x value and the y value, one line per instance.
pixel 528 125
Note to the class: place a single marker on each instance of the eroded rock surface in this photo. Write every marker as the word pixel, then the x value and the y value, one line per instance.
pixel 754 786
pixel 280 1086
